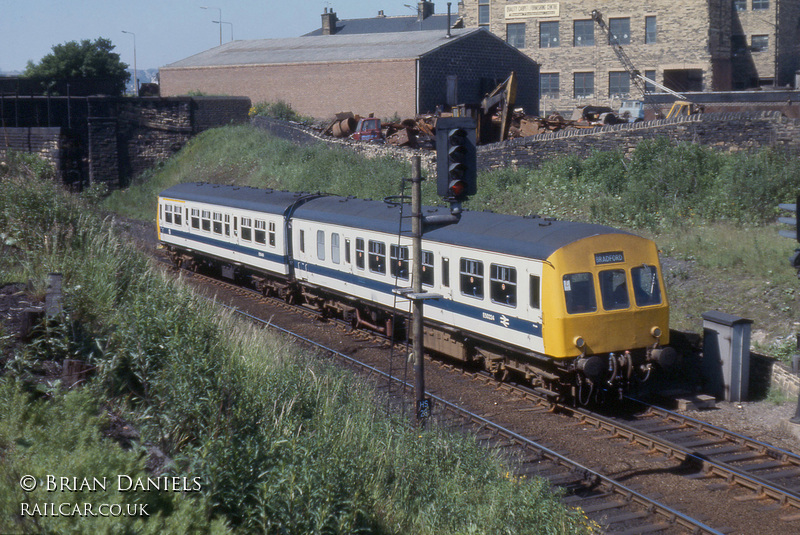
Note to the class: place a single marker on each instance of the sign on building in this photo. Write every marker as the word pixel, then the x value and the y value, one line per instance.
pixel 527 11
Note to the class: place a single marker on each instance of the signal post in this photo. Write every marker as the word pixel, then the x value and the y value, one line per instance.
pixel 456 180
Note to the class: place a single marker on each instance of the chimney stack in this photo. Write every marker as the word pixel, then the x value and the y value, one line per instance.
pixel 329 22
pixel 424 10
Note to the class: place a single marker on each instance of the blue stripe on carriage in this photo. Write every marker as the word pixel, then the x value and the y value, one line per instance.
pixel 209 240
pixel 462 309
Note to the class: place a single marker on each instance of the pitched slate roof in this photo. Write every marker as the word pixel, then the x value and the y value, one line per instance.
pixel 389 24
pixel 325 48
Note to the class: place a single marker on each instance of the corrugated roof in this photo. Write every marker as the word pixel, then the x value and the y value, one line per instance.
pixel 324 48
pixel 410 23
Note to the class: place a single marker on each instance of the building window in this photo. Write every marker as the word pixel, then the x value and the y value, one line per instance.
pixel 738 44
pixel 759 43
pixel 584 85
pixel 583 33
pixel 760 4
pixel 619 84
pixel 650 75
pixel 740 5
pixel 483 12
pixel 649 30
pixel 515 34
pixel 548 83
pixel 548 34
pixel 621 30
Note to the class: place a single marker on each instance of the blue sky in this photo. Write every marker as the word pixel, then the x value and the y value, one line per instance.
pixel 166 30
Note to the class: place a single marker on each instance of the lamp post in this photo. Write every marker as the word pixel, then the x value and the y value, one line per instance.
pixel 135 73
pixel 220 18
pixel 228 23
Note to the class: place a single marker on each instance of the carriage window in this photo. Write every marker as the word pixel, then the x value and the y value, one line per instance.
pixel 536 294
pixel 321 244
pixel 302 241
pixel 272 233
pixel 471 278
pixel 206 220
pixel 247 231
pixel 377 256
pixel 177 214
pixel 645 285
pixel 335 253
pixel 399 266
pixel 427 268
pixel 195 218
pixel 360 253
pixel 579 293
pixel 446 272
pixel 167 213
pixel 347 250
pixel 227 224
pixel 261 232
pixel 217 223
pixel 614 289
pixel 503 285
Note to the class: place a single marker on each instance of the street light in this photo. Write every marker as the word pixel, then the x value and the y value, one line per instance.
pixel 220 18
pixel 135 73
pixel 228 23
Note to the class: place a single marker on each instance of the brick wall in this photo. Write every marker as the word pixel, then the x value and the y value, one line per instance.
pixel 46 142
pixel 321 90
pixel 690 34
pixel 481 63
pixel 112 139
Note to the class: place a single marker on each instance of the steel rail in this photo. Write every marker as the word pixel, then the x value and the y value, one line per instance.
pixel 630 495
pixel 768 449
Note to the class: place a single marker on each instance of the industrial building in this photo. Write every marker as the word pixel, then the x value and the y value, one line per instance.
pixel 401 73
pixel 686 45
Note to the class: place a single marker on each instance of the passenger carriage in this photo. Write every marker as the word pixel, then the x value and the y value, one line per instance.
pixel 576 308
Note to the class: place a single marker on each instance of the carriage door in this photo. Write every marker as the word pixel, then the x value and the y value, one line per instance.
pixel 534 310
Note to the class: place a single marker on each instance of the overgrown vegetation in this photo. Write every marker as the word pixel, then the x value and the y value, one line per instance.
pixel 710 212
pixel 280 441
pixel 278 110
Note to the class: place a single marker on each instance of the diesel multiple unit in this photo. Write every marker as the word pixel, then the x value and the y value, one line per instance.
pixel 577 309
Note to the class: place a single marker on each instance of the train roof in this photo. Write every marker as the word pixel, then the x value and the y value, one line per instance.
pixel 533 237
pixel 242 197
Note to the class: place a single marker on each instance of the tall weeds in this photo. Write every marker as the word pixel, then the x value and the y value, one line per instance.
pixel 282 441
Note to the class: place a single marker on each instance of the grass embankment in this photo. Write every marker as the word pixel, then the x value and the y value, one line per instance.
pixel 280 442
pixel 709 212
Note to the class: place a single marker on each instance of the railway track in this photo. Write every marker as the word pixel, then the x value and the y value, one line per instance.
pixel 613 506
